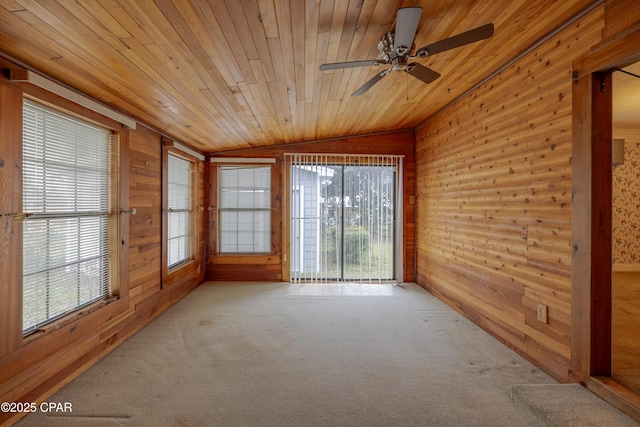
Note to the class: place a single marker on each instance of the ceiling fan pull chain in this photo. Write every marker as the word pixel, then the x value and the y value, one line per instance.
pixel 407 79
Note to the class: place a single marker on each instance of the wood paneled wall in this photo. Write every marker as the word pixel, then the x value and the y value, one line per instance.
pixel 494 197
pixel 274 265
pixel 33 368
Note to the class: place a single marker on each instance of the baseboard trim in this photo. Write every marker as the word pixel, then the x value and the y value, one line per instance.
pixel 617 395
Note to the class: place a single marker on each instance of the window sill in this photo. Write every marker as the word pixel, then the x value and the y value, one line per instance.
pixel 180 271
pixel 180 266
pixel 245 259
pixel 68 319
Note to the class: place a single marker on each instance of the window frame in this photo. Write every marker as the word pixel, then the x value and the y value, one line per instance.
pixel 219 210
pixel 188 210
pixel 68 258
pixel 171 273
pixel 118 249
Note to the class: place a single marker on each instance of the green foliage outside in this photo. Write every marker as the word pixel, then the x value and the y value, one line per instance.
pixel 356 241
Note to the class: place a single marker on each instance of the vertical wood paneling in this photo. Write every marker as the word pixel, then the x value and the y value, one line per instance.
pixel 494 200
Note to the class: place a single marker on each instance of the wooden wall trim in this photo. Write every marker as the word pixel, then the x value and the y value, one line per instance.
pixel 591 278
pixel 164 197
pixel 581 227
pixel 601 224
pixel 297 146
pixel 617 395
pixel 125 215
pixel 616 53
pixel 246 259
pixel 10 231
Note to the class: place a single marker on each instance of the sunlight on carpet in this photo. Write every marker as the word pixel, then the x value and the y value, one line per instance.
pixel 341 289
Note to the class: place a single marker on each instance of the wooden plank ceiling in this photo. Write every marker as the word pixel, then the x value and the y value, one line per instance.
pixel 227 74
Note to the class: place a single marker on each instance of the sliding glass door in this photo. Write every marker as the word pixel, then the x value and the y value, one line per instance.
pixel 343 218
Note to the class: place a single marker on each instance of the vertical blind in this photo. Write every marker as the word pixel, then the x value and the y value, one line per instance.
pixel 179 216
pixel 244 207
pixel 343 217
pixel 66 183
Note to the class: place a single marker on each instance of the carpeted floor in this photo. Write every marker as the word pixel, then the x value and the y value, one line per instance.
pixel 243 354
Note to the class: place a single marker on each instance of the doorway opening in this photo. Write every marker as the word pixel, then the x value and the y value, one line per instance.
pixel 343 218
pixel 625 286
pixel 593 291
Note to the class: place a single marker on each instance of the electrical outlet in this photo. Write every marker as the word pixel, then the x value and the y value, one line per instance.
pixel 542 313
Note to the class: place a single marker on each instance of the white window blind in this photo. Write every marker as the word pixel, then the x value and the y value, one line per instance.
pixel 66 193
pixel 179 216
pixel 245 209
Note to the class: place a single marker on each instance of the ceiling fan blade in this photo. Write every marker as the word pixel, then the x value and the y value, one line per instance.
pixel 371 82
pixel 339 65
pixel 461 39
pixel 421 72
pixel 406 26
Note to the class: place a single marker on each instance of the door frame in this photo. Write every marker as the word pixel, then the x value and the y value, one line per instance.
pixel 591 220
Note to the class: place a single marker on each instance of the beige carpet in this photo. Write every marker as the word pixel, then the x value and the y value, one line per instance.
pixel 242 354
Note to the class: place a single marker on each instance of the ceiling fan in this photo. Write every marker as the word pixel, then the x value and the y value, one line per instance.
pixel 395 49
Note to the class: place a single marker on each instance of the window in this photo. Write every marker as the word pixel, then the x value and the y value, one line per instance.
pixel 66 197
pixel 245 209
pixel 179 211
